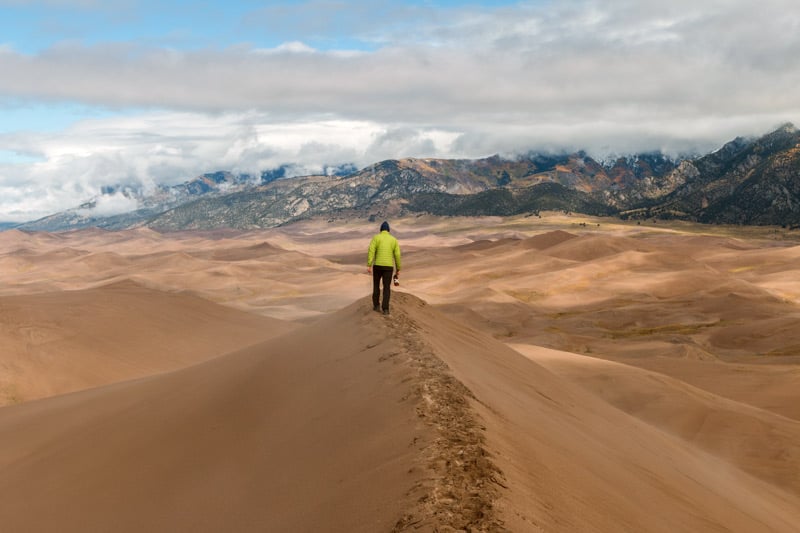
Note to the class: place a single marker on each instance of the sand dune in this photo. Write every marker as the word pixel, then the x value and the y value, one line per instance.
pixel 765 384
pixel 388 438
pixel 53 343
pixel 593 247
pixel 240 381
pixel 245 253
pixel 755 440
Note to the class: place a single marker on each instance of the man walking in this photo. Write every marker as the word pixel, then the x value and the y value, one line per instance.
pixel 384 253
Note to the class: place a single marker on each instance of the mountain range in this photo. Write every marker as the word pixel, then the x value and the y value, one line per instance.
pixel 747 181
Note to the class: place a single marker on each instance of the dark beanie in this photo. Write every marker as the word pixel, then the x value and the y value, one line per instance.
pixel 385 226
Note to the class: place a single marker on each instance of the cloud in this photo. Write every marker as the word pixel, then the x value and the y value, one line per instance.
pixel 366 23
pixel 142 151
pixel 296 47
pixel 509 61
pixel 612 77
pixel 394 143
pixel 115 203
pixel 526 64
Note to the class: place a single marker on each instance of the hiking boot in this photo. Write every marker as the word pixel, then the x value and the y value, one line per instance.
pixel 376 308
pixel 385 311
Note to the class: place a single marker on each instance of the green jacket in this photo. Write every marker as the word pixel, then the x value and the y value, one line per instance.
pixel 382 249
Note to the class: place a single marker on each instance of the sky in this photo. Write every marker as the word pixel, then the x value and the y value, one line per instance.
pixel 140 93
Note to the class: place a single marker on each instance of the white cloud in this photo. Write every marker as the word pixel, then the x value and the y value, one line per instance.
pixel 111 204
pixel 296 47
pixel 170 148
pixel 526 62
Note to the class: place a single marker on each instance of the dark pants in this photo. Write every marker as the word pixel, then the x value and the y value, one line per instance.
pixel 381 273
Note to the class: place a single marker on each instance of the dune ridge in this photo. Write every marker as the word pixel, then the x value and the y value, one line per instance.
pixel 393 443
pixel 303 433
pixel 575 464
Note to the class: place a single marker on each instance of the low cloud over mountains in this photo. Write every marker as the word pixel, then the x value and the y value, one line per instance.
pixel 747 181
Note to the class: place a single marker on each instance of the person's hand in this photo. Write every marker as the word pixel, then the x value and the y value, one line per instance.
pixel 369 270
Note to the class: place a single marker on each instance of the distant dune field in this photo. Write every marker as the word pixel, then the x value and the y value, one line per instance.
pixel 562 373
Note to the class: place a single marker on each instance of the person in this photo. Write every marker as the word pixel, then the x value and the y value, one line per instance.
pixel 383 255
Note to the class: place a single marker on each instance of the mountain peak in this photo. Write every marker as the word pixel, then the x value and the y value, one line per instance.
pixel 783 138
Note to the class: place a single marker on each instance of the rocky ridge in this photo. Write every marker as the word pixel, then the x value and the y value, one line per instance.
pixel 747 181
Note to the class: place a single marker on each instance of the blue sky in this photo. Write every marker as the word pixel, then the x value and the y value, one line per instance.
pixel 140 93
pixel 31 28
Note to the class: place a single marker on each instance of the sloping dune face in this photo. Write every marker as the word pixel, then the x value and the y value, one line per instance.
pixel 574 461
pixel 58 342
pixel 315 431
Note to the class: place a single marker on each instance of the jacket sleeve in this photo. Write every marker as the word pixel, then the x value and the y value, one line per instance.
pixel 373 245
pixel 397 254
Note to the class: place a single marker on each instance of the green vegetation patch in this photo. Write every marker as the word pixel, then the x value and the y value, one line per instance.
pixel 667 329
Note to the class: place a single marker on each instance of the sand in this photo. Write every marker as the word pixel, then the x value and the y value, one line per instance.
pixel 561 373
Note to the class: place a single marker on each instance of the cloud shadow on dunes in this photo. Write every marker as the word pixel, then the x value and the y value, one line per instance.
pixel 547 240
